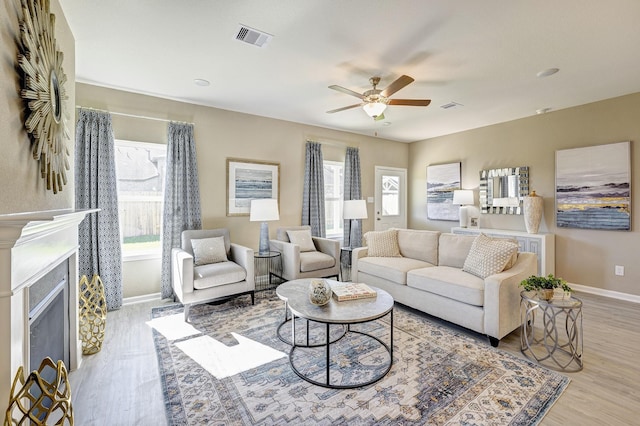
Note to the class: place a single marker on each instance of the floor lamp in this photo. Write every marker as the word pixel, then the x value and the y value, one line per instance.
pixel 354 210
pixel 263 210
pixel 463 198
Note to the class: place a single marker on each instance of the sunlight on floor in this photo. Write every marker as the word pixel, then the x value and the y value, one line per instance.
pixel 224 361
pixel 173 327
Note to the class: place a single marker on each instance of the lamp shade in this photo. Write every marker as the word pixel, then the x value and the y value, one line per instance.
pixel 354 209
pixel 264 209
pixel 374 109
pixel 463 197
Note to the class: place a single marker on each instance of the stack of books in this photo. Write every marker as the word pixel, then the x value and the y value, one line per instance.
pixel 351 291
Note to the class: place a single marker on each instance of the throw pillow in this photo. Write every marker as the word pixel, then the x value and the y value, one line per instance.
pixel 489 256
pixel 303 239
pixel 383 243
pixel 208 250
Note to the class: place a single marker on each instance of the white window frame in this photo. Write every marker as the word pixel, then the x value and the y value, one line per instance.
pixel 335 233
pixel 147 254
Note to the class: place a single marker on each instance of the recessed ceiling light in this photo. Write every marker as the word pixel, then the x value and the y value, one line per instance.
pixel 386 123
pixel 547 72
pixel 543 110
pixel 201 82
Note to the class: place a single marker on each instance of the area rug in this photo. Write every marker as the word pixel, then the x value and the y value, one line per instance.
pixel 228 367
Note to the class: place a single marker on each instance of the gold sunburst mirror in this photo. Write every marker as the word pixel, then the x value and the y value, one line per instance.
pixel 44 92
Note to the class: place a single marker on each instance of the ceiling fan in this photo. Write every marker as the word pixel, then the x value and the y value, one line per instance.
pixel 375 101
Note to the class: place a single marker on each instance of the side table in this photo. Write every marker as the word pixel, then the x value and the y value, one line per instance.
pixel 345 263
pixel 551 331
pixel 266 266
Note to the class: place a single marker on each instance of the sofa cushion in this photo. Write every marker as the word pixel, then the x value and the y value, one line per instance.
pixel 315 260
pixel 453 249
pixel 393 269
pixel 449 282
pixel 281 233
pixel 215 274
pixel 419 244
pixel 489 256
pixel 208 250
pixel 383 243
pixel 302 238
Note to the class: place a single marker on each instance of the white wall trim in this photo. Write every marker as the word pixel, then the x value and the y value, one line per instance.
pixel 140 299
pixel 606 293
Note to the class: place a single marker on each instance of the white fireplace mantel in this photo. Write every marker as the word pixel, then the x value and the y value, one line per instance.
pixel 31 245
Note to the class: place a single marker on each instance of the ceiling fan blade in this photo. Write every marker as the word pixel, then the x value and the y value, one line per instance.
pixel 410 102
pixel 347 91
pixel 396 85
pixel 343 108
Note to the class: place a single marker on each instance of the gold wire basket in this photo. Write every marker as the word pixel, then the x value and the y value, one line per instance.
pixel 93 314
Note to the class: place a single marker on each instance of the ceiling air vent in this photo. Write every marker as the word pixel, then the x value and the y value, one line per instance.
pixel 252 36
pixel 451 105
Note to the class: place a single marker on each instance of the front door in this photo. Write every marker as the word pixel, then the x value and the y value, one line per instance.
pixel 391 198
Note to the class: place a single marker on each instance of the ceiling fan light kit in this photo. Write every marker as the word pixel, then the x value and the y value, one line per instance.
pixel 375 101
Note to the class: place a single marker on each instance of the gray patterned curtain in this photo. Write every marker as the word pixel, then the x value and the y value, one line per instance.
pixel 313 192
pixel 352 191
pixel 96 187
pixel 181 195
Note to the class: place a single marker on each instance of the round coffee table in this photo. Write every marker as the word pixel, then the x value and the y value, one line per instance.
pixel 345 313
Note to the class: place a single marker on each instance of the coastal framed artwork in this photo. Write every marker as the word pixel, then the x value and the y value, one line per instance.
pixel 442 180
pixel 593 187
pixel 248 180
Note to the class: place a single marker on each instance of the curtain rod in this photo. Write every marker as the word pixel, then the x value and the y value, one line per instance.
pixel 329 142
pixel 144 117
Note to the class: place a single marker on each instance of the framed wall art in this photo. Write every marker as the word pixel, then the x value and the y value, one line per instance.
pixel 442 180
pixel 248 180
pixel 593 187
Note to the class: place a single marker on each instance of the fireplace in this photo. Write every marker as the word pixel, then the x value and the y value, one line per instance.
pixel 38 291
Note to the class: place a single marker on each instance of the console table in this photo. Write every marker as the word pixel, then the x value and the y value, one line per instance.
pixel 543 244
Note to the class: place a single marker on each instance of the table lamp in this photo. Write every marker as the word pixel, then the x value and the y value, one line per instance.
pixel 354 210
pixel 463 198
pixel 263 210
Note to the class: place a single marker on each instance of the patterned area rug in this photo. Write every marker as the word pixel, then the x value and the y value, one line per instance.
pixel 228 367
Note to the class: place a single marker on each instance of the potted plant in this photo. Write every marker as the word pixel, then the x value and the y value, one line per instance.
pixel 545 286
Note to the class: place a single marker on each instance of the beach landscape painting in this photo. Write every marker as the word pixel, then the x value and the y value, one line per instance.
pixel 249 180
pixel 442 180
pixel 593 187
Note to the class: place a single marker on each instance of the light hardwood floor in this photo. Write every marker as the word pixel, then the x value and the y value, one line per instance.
pixel 120 385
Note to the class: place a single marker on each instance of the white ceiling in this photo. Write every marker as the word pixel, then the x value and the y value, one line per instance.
pixel 481 54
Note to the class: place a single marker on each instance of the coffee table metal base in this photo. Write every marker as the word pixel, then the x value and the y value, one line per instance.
pixel 327 383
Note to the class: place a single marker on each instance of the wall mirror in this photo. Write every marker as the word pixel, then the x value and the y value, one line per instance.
pixel 502 190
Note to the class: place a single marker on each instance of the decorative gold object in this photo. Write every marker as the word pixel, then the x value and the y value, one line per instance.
pixel 93 314
pixel 35 400
pixel 43 91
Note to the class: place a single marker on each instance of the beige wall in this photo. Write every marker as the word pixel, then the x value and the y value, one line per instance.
pixel 222 134
pixel 22 188
pixel 584 257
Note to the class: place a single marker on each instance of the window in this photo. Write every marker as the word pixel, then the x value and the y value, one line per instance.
pixel 140 170
pixel 333 189
pixel 390 195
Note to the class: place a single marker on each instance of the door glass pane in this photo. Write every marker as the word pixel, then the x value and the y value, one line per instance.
pixel 390 195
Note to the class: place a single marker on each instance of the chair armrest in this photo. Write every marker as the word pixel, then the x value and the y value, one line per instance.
pixel 243 256
pixel 356 254
pixel 328 246
pixel 290 254
pixel 502 296
pixel 181 272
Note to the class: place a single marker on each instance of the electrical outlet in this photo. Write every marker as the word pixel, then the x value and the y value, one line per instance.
pixel 619 270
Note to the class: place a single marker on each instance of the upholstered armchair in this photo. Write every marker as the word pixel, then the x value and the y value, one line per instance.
pixel 304 256
pixel 209 266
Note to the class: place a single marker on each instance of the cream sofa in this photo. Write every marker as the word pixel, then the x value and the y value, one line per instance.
pixel 429 277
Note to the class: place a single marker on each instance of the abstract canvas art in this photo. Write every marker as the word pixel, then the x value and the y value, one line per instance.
pixel 593 187
pixel 248 180
pixel 442 180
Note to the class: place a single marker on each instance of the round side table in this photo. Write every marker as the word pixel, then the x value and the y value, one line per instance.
pixel 551 331
pixel 266 266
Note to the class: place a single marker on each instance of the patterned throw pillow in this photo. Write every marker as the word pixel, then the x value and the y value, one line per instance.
pixel 303 239
pixel 208 250
pixel 383 243
pixel 489 256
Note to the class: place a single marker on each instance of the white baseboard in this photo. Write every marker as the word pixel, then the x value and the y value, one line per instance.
pixel 606 293
pixel 140 299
